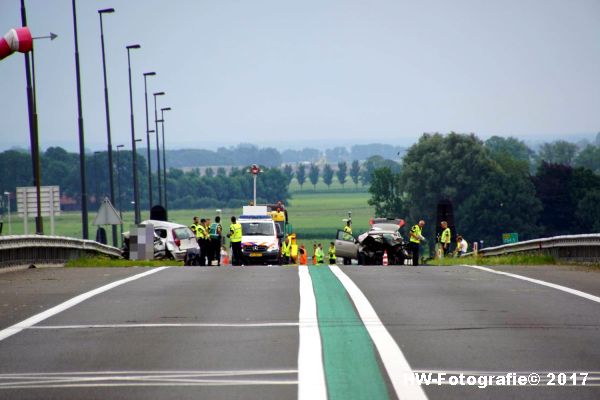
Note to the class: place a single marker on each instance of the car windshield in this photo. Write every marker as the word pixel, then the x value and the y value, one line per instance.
pixel 257 229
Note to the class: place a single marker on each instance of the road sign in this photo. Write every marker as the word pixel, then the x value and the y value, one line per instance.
pixel 510 238
pixel 107 215
pixel 27 203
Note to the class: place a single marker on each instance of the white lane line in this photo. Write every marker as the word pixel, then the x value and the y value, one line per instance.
pixel 539 282
pixel 147 378
pixel 172 325
pixel 393 359
pixel 311 375
pixel 29 322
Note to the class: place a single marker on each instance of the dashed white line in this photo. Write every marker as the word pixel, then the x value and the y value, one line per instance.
pixel 29 322
pixel 539 282
pixel 311 375
pixel 393 359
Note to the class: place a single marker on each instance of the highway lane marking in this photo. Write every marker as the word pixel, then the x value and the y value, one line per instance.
pixel 29 322
pixel 539 282
pixel 393 359
pixel 146 378
pixel 311 375
pixel 171 325
pixel 349 358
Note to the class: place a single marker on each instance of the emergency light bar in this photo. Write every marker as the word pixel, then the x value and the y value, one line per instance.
pixel 267 217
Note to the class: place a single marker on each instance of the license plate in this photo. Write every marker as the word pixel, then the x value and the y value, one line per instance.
pixel 255 254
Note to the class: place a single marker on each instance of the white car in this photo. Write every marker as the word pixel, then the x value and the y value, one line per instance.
pixel 178 239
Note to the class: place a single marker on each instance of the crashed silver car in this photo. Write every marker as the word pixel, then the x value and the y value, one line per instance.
pixel 369 247
pixel 171 240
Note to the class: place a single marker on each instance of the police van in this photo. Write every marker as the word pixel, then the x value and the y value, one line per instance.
pixel 260 236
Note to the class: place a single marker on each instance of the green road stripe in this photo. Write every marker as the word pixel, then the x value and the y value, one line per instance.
pixel 351 369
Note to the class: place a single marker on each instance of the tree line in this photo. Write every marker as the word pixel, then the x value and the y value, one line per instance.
pixel 185 189
pixel 246 154
pixel 497 186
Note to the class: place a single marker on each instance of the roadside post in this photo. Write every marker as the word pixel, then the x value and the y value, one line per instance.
pixel 255 170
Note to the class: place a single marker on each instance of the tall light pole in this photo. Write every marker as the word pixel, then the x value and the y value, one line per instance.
pixel 7 194
pixel 35 150
pixel 162 119
pixel 157 145
pixel 146 74
pixel 136 195
pixel 111 182
pixel 33 129
pixel 84 195
pixel 120 195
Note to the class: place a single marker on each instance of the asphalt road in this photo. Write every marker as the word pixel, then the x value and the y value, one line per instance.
pixel 281 333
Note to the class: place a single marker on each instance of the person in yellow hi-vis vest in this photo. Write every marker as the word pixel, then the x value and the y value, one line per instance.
pixel 331 253
pixel 320 254
pixel 445 238
pixel 286 248
pixel 416 236
pixel 235 238
pixel 293 249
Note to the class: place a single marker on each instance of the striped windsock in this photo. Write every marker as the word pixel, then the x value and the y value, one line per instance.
pixel 17 39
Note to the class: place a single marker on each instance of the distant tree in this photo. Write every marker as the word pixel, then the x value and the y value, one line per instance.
pixel 337 154
pixel 511 146
pixel 221 171
pixel 588 212
pixel 589 158
pixel 342 172
pixel 374 163
pixel 269 157
pixel 209 172
pixel 301 175
pixel 328 175
pixel 386 193
pixel 559 152
pixel 355 172
pixel 289 172
pixel 313 175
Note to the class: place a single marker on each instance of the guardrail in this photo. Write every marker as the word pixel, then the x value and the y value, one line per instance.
pixel 37 249
pixel 568 247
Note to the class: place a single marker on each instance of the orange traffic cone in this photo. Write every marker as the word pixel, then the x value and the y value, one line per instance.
pixel 385 257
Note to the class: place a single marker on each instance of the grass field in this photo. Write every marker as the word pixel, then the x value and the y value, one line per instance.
pixel 314 215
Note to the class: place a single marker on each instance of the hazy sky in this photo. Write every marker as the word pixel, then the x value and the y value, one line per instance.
pixel 311 72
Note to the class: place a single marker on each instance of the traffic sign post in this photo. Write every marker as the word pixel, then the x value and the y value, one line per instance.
pixel 27 203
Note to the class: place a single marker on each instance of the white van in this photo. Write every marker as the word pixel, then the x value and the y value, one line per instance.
pixel 260 236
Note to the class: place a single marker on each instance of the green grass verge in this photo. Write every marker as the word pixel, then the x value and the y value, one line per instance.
pixel 516 259
pixel 86 262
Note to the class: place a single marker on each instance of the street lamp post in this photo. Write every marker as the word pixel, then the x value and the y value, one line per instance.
pixel 157 145
pixel 162 119
pixel 133 147
pixel 84 199
pixel 146 74
pixel 108 135
pixel 7 194
pixel 120 195
pixel 33 129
